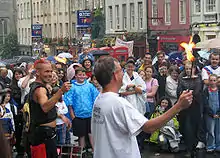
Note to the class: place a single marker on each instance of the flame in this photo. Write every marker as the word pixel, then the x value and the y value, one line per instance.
pixel 188 49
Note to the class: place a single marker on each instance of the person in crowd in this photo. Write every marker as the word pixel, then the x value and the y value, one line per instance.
pixel 172 83
pixel 161 57
pixel 16 91
pixel 190 119
pixel 133 87
pixel 168 137
pixel 116 125
pixel 95 83
pixel 61 76
pixel 142 74
pixel 80 100
pixel 151 88
pixel 25 82
pixel 161 77
pixel 213 68
pixel 7 116
pixel 43 112
pixel 3 77
pixel 85 54
pixel 146 61
pixel 212 114
pixel 62 122
pixel 54 80
pixel 87 64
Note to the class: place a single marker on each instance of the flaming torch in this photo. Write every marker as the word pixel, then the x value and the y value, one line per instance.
pixel 189 51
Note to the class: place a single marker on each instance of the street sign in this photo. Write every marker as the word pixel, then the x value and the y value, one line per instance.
pixel 84 18
pixel 37 30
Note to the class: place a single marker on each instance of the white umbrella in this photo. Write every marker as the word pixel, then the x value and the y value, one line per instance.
pixel 65 55
pixel 2 64
pixel 204 54
pixel 207 44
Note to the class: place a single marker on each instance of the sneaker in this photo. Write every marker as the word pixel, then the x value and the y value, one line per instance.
pixel 200 145
pixel 210 150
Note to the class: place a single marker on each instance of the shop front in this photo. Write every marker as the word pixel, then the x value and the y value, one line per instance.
pixel 171 43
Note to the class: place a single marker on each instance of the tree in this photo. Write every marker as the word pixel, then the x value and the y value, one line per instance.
pixel 98 24
pixel 11 47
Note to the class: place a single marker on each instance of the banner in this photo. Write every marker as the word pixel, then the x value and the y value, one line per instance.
pixel 84 18
pixel 37 30
pixel 129 44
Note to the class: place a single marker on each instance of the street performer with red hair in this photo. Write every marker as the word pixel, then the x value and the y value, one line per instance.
pixel 43 112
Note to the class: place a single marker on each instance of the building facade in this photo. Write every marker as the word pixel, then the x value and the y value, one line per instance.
pixel 7 18
pixel 125 16
pixel 169 24
pixel 59 19
pixel 205 18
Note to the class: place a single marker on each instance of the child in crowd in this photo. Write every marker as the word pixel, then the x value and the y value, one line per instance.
pixel 168 137
pixel 80 99
pixel 62 122
pixel 212 110
pixel 142 74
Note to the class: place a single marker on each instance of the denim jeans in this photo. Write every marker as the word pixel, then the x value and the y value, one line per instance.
pixel 68 138
pixel 213 133
pixel 61 134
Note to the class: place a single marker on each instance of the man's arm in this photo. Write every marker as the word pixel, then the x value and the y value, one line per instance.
pixel 40 96
pixel 184 101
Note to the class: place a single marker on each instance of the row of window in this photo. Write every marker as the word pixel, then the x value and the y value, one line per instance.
pixel 167 10
pixel 24 36
pixel 210 6
pixel 123 8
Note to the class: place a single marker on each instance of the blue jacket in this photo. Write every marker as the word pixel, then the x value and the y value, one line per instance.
pixel 81 97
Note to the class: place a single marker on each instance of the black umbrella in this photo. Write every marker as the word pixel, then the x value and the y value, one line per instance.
pixel 98 52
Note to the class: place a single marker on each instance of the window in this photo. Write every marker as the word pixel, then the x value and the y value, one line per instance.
pixel 154 12
pixel 55 30
pixel 48 6
pixel 18 11
pixel 132 15
pixel 34 9
pixel 117 17
pixel 67 29
pixel 210 5
pixel 45 31
pixel 29 36
pixel 54 6
pixel 61 29
pixel 66 6
pixel 197 6
pixel 182 11
pixel 101 3
pixel 22 36
pixel 25 10
pixel 167 12
pixel 124 14
pixel 37 8
pixel 49 31
pixel 140 15
pixel 110 17
pixel 41 8
pixel 86 4
pixel 28 10
pixel 21 11
pixel 25 36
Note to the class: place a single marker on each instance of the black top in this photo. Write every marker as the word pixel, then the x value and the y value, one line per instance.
pixel 37 115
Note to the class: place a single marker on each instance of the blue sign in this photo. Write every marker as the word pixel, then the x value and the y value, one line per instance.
pixel 37 30
pixel 84 18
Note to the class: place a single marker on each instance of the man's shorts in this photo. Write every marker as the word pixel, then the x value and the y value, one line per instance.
pixel 81 126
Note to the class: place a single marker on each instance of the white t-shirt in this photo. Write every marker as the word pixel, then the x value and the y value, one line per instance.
pixel 62 110
pixel 115 125
pixel 26 90
pixel 205 73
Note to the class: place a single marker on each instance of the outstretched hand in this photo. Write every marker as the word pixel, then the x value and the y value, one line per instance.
pixel 185 99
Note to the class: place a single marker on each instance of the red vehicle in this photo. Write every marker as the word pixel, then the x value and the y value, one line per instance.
pixel 118 52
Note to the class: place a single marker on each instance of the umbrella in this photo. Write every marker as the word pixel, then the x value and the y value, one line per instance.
pixel 99 52
pixel 56 59
pixel 65 55
pixel 2 64
pixel 207 44
pixel 176 55
pixel 204 54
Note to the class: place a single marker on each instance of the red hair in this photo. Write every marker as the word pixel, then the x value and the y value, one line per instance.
pixel 41 61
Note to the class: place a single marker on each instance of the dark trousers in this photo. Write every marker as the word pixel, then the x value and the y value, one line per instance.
pixel 18 133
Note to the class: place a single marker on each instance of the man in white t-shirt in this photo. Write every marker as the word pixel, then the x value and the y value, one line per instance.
pixel 211 69
pixel 115 122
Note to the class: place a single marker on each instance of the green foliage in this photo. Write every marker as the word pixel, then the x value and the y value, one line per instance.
pixel 11 47
pixel 98 24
